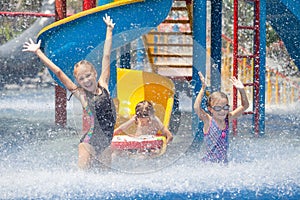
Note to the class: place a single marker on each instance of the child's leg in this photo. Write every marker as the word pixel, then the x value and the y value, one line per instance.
pixel 85 154
pixel 105 157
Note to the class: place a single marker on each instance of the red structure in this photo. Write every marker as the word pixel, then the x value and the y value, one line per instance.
pixel 18 14
pixel 255 56
pixel 60 93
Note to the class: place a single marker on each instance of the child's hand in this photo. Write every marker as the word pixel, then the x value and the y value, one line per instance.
pixel 117 132
pixel 31 46
pixel 202 78
pixel 237 83
pixel 108 21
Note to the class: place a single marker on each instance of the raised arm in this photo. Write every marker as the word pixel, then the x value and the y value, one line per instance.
pixel 35 48
pixel 202 114
pixel 105 72
pixel 245 103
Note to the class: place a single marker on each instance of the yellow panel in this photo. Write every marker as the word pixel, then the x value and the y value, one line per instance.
pixel 135 86
pixel 127 83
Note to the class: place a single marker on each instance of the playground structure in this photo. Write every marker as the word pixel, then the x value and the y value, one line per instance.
pixel 280 89
pixel 192 31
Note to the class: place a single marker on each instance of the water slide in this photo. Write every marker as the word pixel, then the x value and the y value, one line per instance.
pixel 13 60
pixel 81 36
pixel 284 17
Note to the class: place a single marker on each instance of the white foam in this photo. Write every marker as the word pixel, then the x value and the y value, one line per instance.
pixel 47 168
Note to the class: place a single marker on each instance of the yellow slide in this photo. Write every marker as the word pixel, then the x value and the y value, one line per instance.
pixel 134 86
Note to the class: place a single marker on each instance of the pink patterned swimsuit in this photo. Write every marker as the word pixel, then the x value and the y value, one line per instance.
pixel 216 143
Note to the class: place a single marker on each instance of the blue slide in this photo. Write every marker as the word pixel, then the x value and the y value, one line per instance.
pixel 81 36
pixel 284 17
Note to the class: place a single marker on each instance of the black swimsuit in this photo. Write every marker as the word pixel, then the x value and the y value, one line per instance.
pixel 104 112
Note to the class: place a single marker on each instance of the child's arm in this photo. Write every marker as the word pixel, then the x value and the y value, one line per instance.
pixel 105 73
pixel 168 134
pixel 204 116
pixel 123 127
pixel 164 130
pixel 35 48
pixel 245 103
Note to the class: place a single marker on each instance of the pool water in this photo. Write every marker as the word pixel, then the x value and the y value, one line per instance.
pixel 38 159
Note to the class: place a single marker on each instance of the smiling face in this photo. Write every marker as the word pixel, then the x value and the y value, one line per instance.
pixel 218 105
pixel 219 108
pixel 86 75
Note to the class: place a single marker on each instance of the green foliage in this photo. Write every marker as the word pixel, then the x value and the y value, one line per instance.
pixel 271 36
pixel 13 26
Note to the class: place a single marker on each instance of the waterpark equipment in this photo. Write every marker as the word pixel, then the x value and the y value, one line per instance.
pixel 287 26
pixel 280 89
pixel 186 186
pixel 134 86
pixel 263 11
pixel 271 9
pixel 12 59
pixel 66 43
pixel 77 28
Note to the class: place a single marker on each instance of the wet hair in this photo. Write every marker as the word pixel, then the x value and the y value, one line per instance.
pixel 216 96
pixel 144 109
pixel 83 63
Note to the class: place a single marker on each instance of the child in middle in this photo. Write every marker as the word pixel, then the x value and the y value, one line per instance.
pixel 216 121
pixel 146 121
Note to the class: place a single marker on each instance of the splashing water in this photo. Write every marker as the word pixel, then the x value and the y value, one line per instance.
pixel 38 159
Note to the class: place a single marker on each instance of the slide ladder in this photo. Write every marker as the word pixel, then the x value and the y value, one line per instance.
pixel 169 46
pixel 253 57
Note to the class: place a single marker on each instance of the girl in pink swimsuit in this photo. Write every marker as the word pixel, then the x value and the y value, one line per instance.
pixel 216 122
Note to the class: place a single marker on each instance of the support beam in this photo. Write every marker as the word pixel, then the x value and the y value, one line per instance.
pixel 216 45
pixel 60 93
pixel 199 62
pixel 262 64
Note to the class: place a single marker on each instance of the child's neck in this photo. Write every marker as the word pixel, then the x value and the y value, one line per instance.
pixel 221 123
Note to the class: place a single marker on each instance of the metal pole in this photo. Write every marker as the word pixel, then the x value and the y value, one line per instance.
pixel 60 93
pixel 216 45
pixel 235 59
pixel 32 14
pixel 199 63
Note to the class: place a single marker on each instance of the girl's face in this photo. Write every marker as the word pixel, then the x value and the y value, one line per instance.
pixel 219 108
pixel 86 78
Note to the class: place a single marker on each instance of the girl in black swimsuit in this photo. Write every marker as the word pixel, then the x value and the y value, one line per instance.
pixel 94 97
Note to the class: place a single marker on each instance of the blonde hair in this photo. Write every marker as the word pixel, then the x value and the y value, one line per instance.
pixel 86 64
pixel 144 109
pixel 216 96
